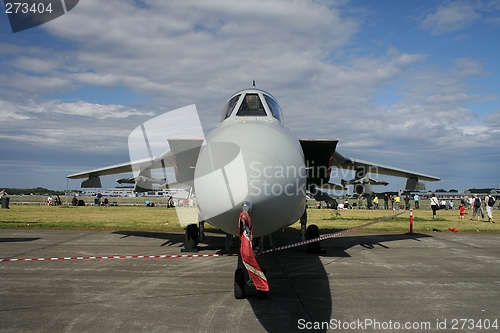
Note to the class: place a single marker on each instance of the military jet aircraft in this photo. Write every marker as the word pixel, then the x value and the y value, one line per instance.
pixel 250 175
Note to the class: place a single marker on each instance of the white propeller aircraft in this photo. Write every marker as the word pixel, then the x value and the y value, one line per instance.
pixel 250 175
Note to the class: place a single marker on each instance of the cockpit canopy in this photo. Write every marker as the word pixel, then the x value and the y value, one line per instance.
pixel 252 103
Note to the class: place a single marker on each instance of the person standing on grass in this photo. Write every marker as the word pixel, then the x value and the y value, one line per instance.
pixel 476 204
pixel 489 202
pixel 434 205
pixel 462 211
pixel 407 202
pixel 470 203
pixel 397 200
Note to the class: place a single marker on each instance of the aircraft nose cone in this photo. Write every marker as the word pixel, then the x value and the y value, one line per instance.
pixel 251 162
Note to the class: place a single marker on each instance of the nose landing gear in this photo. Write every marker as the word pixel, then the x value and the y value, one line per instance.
pixel 249 262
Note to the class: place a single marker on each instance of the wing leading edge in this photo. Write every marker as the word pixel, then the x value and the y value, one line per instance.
pixel 321 155
pixel 153 163
pixel 182 155
pixel 343 162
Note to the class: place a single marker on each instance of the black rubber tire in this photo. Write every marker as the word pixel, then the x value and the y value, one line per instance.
pixel 313 232
pixel 191 239
pixel 239 283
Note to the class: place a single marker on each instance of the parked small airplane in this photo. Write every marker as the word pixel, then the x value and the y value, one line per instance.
pixel 251 174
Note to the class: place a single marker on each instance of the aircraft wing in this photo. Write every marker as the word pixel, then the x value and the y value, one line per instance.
pixel 154 163
pixel 343 162
pixel 182 155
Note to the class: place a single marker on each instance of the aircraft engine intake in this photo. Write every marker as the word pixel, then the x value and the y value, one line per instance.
pixel 362 188
pixel 358 188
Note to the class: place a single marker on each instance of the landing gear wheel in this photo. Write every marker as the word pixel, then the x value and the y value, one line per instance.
pixel 313 232
pixel 239 283
pixel 191 239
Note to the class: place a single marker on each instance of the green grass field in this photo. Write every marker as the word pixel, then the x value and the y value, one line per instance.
pixel 141 218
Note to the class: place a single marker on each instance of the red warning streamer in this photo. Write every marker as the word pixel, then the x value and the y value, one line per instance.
pixel 247 256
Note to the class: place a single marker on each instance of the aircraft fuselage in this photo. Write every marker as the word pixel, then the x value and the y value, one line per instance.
pixel 251 159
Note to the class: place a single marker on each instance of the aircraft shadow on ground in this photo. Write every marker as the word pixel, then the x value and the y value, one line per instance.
pixel 18 239
pixel 171 239
pixel 341 244
pixel 300 286
pixel 212 242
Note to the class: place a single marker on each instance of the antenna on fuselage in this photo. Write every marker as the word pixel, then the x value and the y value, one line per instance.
pixel 253 84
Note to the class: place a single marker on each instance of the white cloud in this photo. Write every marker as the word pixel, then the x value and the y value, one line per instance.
pixel 451 17
pixel 185 52
pixel 69 132
pixel 54 108
pixel 174 45
pixel 493 121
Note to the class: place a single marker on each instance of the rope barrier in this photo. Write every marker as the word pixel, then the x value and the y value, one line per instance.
pixel 164 256
pixel 179 256
pixel 328 236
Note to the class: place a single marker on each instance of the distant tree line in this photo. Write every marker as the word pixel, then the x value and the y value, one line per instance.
pixel 34 191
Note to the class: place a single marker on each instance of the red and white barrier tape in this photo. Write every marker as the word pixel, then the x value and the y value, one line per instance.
pixel 164 256
pixel 328 236
pixel 177 256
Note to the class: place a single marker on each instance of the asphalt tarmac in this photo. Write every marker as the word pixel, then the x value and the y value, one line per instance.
pixel 364 283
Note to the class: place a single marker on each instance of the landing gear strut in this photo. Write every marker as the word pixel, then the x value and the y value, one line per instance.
pixel 241 280
pixel 303 224
pixel 201 231
pixel 310 232
pixel 201 227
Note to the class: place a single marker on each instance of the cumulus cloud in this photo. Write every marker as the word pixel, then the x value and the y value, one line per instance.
pixel 54 108
pixel 184 52
pixel 176 44
pixel 492 122
pixel 451 17
pixel 67 133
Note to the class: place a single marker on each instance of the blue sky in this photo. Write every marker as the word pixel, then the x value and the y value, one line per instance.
pixel 411 84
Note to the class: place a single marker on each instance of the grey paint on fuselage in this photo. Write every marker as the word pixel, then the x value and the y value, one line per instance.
pixel 273 173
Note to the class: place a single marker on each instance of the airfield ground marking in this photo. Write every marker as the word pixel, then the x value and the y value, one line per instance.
pixel 179 256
